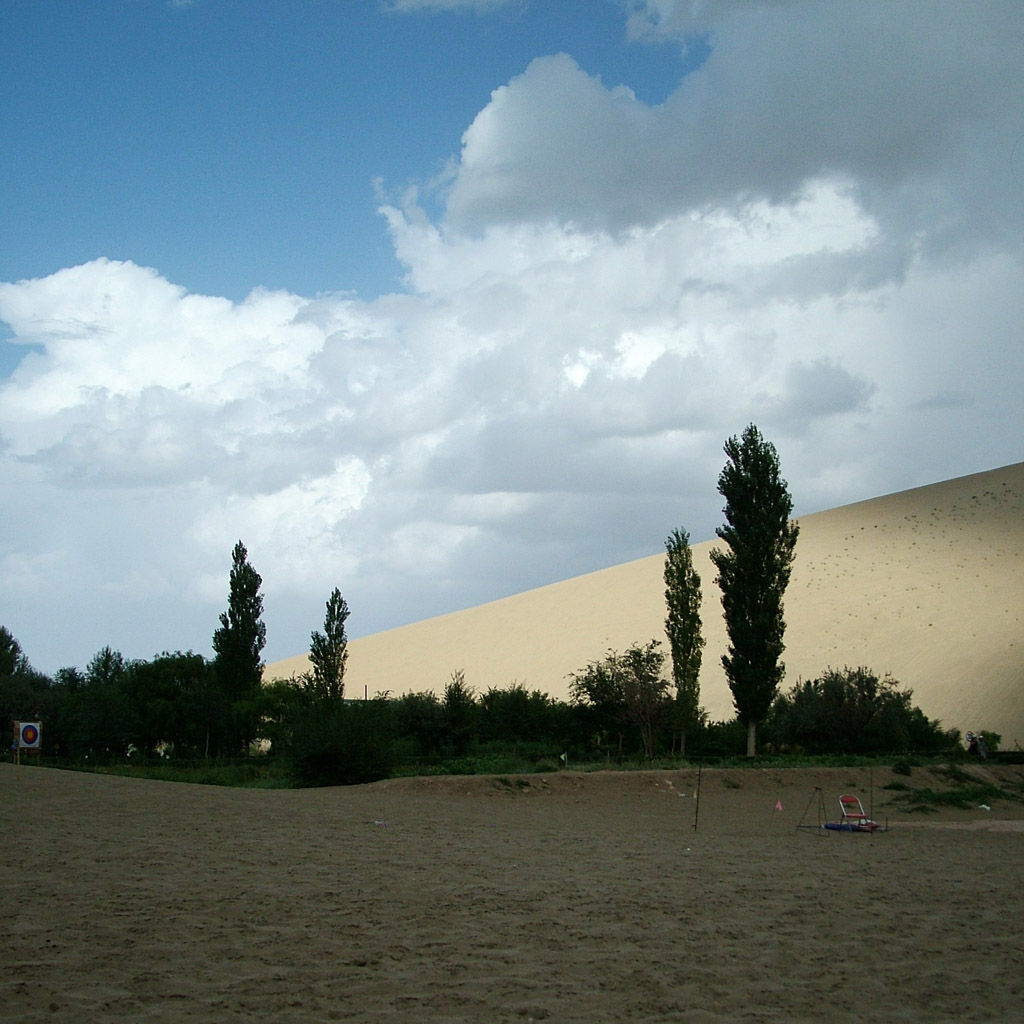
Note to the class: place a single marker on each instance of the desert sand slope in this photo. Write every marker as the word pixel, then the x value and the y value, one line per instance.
pixel 926 584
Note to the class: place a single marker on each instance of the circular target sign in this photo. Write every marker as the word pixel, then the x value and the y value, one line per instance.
pixel 29 734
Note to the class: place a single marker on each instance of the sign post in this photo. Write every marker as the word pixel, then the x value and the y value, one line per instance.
pixel 27 736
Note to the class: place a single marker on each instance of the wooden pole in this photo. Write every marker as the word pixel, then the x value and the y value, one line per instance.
pixel 696 813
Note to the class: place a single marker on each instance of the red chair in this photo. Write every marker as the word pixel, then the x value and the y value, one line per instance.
pixel 852 816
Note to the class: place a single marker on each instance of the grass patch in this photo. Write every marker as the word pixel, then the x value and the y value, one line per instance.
pixel 255 773
pixel 788 761
pixel 491 764
pixel 957 788
pixel 964 798
pixel 953 772
pixel 504 782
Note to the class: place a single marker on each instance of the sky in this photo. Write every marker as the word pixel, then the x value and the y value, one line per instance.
pixel 436 301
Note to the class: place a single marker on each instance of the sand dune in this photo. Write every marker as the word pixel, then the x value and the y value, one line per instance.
pixel 927 584
pixel 574 898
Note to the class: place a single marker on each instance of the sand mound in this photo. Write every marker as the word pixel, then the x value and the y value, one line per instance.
pixel 927 584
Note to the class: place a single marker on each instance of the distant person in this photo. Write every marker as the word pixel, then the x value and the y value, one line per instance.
pixel 982 749
pixel 972 744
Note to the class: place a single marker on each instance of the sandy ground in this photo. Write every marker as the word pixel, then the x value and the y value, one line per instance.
pixel 569 897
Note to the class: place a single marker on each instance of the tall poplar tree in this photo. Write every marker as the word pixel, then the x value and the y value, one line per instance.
pixel 753 573
pixel 238 644
pixel 328 651
pixel 683 629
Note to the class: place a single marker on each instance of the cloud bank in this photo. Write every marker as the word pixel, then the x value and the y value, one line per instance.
pixel 819 231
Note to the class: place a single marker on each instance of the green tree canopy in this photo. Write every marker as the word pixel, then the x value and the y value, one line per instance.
pixel 25 694
pixel 328 651
pixel 683 629
pixel 169 697
pixel 107 668
pixel 459 710
pixel 753 573
pixel 516 714
pixel 626 689
pixel 853 711
pixel 238 645
pixel 420 718
pixel 98 718
pixel 12 658
pixel 597 690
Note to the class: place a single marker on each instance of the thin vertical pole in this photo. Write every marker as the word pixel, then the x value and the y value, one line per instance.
pixel 696 813
pixel 871 798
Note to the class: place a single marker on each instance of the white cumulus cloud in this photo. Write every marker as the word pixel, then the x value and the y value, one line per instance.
pixel 817 232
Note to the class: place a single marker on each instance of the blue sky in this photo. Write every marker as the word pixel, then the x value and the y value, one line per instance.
pixel 438 300
pixel 237 143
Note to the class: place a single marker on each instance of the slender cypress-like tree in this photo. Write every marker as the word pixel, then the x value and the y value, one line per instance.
pixel 328 651
pixel 753 573
pixel 238 644
pixel 683 629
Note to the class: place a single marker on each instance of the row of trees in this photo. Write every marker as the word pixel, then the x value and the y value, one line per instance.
pixel 177 701
pixel 620 703
pixel 754 567
pixel 621 708
pixel 115 705
pixel 843 711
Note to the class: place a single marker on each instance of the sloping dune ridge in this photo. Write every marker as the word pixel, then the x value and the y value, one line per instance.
pixel 926 584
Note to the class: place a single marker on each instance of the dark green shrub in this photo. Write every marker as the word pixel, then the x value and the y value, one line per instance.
pixel 718 739
pixel 460 712
pixel 1009 757
pixel 339 744
pixel 419 720
pixel 517 715
pixel 853 711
